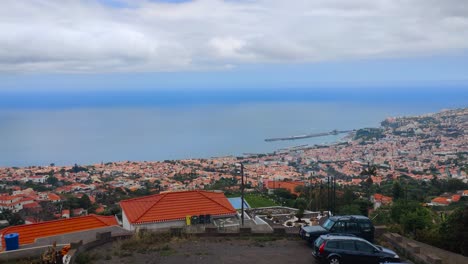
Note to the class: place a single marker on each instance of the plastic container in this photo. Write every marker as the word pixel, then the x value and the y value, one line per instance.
pixel 12 241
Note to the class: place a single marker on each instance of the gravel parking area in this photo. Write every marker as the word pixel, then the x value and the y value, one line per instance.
pixel 257 250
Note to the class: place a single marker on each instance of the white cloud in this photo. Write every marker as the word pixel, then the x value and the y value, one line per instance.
pixel 86 36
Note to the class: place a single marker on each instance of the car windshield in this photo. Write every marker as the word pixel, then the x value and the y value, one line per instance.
pixel 328 224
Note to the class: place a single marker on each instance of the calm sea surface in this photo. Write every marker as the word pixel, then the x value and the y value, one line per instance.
pixel 92 135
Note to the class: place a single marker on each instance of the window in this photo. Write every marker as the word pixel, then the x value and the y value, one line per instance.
pixel 318 242
pixel 352 227
pixel 365 226
pixel 339 227
pixel 364 247
pixel 347 245
pixel 328 224
pixel 332 244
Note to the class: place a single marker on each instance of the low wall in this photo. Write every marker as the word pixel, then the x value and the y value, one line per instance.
pixel 25 253
pixel 101 239
pixel 422 253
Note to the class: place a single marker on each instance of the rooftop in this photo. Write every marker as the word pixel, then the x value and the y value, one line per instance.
pixel 175 206
pixel 29 233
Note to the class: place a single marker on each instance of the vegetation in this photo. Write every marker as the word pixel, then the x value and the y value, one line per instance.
pixel 369 134
pixel 259 200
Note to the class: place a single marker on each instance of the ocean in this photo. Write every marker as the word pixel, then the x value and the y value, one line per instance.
pixel 87 135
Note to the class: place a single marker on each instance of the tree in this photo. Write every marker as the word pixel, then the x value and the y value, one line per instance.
pixel 397 190
pixel 52 180
pixel 369 170
pixel 349 209
pixel 454 232
pixel 284 193
pixel 299 189
pixel 300 214
pixel 84 201
pixel 12 218
pixel 415 220
pixel 300 203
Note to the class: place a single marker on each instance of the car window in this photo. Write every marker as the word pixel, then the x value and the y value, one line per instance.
pixel 352 227
pixel 318 241
pixel 332 244
pixel 328 224
pixel 365 226
pixel 347 245
pixel 364 247
pixel 339 227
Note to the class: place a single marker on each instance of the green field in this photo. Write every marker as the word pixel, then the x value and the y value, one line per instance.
pixel 258 200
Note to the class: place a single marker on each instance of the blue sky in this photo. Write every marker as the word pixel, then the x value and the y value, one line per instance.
pixel 238 46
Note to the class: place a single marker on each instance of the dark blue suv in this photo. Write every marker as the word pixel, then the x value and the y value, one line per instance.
pixel 339 249
pixel 357 225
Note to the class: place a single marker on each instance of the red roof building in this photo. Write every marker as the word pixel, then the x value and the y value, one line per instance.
pixel 440 201
pixel 380 199
pixel 29 233
pixel 288 185
pixel 171 208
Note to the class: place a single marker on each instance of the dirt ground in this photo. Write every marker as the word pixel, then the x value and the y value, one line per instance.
pixel 257 250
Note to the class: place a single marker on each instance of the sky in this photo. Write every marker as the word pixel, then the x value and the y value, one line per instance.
pixel 76 46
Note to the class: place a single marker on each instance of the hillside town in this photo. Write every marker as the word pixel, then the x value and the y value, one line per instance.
pixel 426 147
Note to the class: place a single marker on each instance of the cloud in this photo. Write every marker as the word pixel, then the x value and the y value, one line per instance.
pixel 155 36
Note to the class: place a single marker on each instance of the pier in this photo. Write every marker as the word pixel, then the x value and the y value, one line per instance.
pixel 334 132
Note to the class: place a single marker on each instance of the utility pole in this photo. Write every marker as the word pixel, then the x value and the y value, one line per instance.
pixel 242 193
pixel 328 194
pixel 334 195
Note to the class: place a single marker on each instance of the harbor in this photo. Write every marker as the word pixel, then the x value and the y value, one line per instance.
pixel 333 132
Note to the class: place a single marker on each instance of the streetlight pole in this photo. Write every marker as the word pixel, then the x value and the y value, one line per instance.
pixel 242 193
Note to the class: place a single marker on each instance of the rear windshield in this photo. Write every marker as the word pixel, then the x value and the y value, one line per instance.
pixel 318 242
pixel 328 224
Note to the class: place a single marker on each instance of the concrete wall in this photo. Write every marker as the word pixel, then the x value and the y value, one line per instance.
pixel 85 236
pixel 34 252
pixel 40 246
pixel 422 253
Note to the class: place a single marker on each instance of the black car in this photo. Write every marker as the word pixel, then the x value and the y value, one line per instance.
pixel 357 225
pixel 339 249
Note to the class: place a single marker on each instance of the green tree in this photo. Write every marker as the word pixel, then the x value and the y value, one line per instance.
pixel 397 190
pixel 454 232
pixel 84 201
pixel 416 220
pixel 349 209
pixel 52 180
pixel 300 203
pixel 12 218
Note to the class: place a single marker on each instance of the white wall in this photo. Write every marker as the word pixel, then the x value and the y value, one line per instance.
pixel 125 223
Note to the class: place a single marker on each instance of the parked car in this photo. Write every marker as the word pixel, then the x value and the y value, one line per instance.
pixel 339 249
pixel 357 225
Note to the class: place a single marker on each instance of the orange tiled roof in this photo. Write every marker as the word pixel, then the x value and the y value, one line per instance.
pixel 456 198
pixel 440 200
pixel 29 233
pixel 175 205
pixel 382 198
pixel 288 185
pixel 53 197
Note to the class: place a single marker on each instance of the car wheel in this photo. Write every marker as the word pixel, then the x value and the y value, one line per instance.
pixel 334 260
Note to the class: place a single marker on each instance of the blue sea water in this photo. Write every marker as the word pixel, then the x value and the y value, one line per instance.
pixel 100 132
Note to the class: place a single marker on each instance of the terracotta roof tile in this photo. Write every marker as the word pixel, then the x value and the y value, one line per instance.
pixel 288 185
pixel 29 233
pixel 175 205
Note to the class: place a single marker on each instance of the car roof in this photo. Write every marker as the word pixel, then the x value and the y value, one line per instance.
pixel 341 237
pixel 348 217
